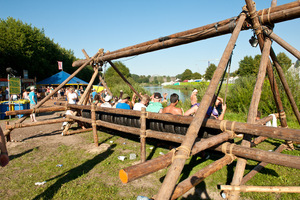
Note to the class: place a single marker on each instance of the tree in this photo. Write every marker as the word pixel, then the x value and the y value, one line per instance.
pixel 249 66
pixel 187 75
pixel 24 47
pixel 210 71
pixel 284 61
pixel 196 75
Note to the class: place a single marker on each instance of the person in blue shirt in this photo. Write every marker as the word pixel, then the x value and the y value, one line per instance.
pixel 123 103
pixel 33 101
pixel 93 93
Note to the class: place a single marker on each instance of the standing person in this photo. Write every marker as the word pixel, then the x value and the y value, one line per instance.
pixel 155 105
pixel 25 95
pixel 143 103
pixel 4 159
pixel 93 93
pixel 123 104
pixel 6 93
pixel 171 109
pixel 33 101
pixel 194 97
pixel 72 96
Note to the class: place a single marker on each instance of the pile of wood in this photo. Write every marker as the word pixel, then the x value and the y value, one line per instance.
pixel 190 144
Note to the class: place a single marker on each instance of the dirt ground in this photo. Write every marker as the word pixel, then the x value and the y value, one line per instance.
pixel 49 136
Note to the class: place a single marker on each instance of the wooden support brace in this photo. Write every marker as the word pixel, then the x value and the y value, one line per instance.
pixel 276 189
pixel 79 131
pixel 143 135
pixel 94 125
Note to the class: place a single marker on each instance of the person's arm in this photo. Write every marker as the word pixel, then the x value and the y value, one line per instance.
pixel 165 97
pixel 133 99
pixel 4 159
pixel 191 111
pixel 221 117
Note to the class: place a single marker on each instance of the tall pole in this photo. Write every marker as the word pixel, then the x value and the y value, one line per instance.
pixel 174 172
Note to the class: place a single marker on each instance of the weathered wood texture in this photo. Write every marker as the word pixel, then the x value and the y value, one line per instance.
pixel 37 110
pixel 276 189
pixel 277 14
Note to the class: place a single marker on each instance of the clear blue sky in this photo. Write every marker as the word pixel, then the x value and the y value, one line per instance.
pixel 114 24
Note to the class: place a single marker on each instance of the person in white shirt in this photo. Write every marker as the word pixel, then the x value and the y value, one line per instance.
pixel 143 103
pixel 106 104
pixel 72 96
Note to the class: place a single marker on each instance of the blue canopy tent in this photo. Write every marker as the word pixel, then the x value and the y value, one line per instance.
pixel 60 77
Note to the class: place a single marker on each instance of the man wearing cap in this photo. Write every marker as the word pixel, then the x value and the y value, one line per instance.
pixel 33 101
pixel 194 97
pixel 106 104
pixel 123 103
pixel 155 105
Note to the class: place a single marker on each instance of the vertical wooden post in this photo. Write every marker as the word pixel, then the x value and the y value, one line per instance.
pixel 175 169
pixel 94 125
pixel 8 139
pixel 124 79
pixel 285 85
pixel 241 163
pixel 143 135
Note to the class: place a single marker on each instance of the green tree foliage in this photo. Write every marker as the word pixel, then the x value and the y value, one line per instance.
pixel 249 66
pixel 168 78
pixel 210 71
pixel 24 47
pixel 187 75
pixel 297 64
pixel 284 61
pixel 196 75
pixel 111 74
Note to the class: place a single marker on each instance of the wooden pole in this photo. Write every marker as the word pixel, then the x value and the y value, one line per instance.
pixel 79 131
pixel 142 169
pixel 143 135
pixel 285 85
pixel 100 78
pixel 124 79
pixel 259 167
pixel 94 125
pixel 173 174
pixel 24 125
pixel 276 14
pixel 283 43
pixel 198 177
pixel 276 189
pixel 246 142
pixel 237 127
pixel 38 110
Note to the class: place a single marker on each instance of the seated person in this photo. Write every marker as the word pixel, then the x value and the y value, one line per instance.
pixel 211 112
pixel 194 97
pixel 123 104
pixel 106 103
pixel 171 109
pixel 155 105
pixel 143 103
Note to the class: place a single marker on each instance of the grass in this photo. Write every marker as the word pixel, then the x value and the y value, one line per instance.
pixel 95 176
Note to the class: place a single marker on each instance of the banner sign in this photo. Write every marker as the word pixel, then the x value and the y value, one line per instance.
pixel 60 65
pixel 14 85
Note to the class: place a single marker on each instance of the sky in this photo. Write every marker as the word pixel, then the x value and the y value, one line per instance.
pixel 115 24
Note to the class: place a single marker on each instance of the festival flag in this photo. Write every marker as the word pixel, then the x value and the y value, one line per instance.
pixel 60 65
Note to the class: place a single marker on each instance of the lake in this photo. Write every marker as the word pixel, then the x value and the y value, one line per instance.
pixel 183 94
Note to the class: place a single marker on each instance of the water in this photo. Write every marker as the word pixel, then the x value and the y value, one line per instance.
pixel 183 94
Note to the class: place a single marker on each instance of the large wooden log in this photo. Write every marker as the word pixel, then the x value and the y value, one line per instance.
pixel 137 171
pixel 285 85
pixel 143 135
pixel 37 110
pixel 246 142
pixel 260 166
pixel 79 131
pixel 276 189
pixel 94 125
pixel 23 125
pixel 175 169
pixel 198 177
pixel 277 14
pixel 237 127
pixel 283 43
